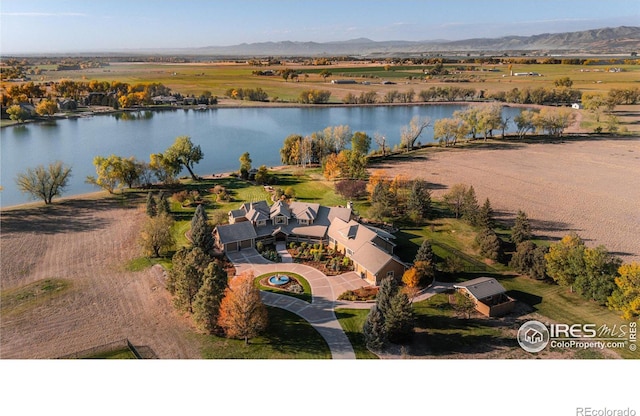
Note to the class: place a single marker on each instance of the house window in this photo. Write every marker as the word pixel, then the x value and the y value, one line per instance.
pixel 390 273
pixel 261 223
pixel 280 220
pixel 349 252
pixel 303 222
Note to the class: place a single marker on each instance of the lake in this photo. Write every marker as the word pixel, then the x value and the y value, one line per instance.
pixel 223 134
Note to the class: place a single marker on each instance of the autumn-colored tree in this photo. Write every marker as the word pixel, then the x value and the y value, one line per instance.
pixel 565 260
pixel 626 296
pixel 335 166
pixel 377 176
pixel 46 108
pixel 409 134
pixel 242 313
pixel 108 173
pixel 410 277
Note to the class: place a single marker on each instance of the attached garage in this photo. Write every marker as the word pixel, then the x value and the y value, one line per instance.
pixel 234 237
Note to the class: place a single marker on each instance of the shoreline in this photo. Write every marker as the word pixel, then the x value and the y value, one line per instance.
pixel 238 104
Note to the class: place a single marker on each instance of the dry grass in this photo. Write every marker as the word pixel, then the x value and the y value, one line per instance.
pixel 589 186
pixel 87 244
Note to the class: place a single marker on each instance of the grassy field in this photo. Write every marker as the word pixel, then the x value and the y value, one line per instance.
pixel 14 301
pixel 287 336
pixel 351 321
pixel 218 77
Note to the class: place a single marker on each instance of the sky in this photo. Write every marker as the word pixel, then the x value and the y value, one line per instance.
pixel 47 26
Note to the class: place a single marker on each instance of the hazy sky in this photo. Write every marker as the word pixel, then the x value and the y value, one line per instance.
pixel 92 25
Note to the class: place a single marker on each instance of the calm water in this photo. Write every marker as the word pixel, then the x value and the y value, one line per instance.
pixel 223 135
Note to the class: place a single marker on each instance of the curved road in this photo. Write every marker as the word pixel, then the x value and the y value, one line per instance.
pixel 325 291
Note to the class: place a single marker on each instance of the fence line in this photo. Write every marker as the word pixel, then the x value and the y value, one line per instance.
pixel 104 348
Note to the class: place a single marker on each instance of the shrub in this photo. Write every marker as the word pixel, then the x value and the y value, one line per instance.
pixel 295 288
pixel 180 196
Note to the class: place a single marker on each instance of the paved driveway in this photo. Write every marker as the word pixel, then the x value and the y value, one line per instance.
pixel 325 290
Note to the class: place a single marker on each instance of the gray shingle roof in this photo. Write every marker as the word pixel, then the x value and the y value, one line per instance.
pixel 482 287
pixel 231 233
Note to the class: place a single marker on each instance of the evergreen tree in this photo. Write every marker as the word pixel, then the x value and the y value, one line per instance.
pixel 521 230
pixel 398 320
pixel 201 230
pixel 388 289
pixel 375 334
pixel 529 259
pixel 485 216
pixel 152 206
pixel 425 252
pixel 419 202
pixel 490 244
pixel 206 304
pixel 396 310
pixel 382 201
pixel 163 204
pixel 470 206
pixel 185 278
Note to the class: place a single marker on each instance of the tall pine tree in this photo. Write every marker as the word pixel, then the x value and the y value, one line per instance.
pixel 521 230
pixel 375 334
pixel 206 305
pixel 419 202
pixel 201 230
pixel 470 206
pixel 151 206
pixel 485 216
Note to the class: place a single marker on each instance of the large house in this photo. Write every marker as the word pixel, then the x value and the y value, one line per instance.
pixel 370 249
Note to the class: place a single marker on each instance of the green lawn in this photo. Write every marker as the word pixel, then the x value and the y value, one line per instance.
pixel 352 321
pixel 287 336
pixel 448 334
pixel 18 299
pixel 559 305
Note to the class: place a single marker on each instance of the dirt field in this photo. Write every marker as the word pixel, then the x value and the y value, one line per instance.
pixel 86 242
pixel 591 187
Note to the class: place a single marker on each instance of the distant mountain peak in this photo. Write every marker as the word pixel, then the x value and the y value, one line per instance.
pixel 623 39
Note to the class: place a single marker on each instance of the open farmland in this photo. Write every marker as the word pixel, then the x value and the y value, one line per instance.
pixel 83 244
pixel 218 77
pixel 589 186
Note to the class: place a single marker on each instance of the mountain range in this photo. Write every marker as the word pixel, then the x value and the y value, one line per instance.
pixel 623 39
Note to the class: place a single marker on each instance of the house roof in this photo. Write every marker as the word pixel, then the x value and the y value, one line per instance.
pixel 279 208
pixel 303 210
pixel 350 234
pixel 482 287
pixel 372 258
pixel 231 233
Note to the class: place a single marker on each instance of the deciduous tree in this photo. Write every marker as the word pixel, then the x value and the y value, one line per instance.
pixel 455 198
pixel 156 238
pixel 242 313
pixel 44 182
pixel 410 134
pixel 46 108
pixel 183 153
pixel 565 260
pixel 626 296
